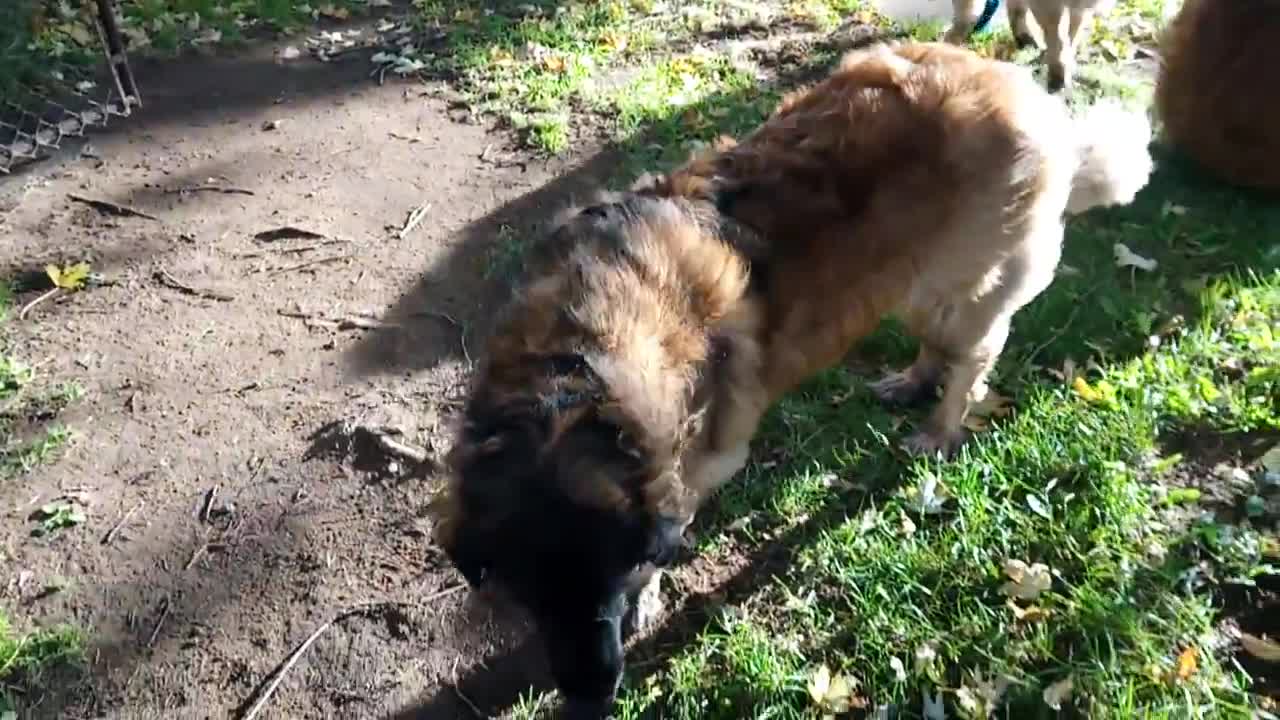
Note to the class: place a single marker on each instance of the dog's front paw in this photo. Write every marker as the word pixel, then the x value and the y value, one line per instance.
pixel 645 610
pixel 933 443
pixel 1024 40
pixel 902 388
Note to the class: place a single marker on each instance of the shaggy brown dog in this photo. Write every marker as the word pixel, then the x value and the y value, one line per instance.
pixel 1218 92
pixel 625 381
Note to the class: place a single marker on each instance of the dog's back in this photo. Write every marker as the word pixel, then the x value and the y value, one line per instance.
pixel 921 180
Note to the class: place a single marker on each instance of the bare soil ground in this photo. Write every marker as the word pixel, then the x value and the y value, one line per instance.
pixel 222 528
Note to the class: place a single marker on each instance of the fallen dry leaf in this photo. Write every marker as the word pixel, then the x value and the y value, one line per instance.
pixel 929 497
pixel 980 696
pixel 1260 647
pixel 1058 693
pixel 834 693
pixel 1026 582
pixel 1030 614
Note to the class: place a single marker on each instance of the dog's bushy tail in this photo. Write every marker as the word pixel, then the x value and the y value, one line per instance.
pixel 1114 159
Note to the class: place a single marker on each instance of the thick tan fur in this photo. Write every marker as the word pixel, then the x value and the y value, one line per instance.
pixel 917 180
pixel 1218 91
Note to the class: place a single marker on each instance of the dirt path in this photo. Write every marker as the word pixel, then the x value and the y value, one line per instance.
pixel 199 410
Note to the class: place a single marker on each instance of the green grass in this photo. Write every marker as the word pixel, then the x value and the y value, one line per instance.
pixel 30 435
pixel 1084 478
pixel 26 657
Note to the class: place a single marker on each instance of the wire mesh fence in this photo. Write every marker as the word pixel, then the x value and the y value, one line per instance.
pixel 37 117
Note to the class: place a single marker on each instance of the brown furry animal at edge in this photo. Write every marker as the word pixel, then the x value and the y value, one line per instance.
pixel 625 381
pixel 1218 90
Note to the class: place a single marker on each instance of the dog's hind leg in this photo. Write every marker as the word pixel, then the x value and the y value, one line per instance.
pixel 971 333
pixel 917 383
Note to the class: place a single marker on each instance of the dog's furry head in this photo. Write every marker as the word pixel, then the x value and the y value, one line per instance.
pixel 566 472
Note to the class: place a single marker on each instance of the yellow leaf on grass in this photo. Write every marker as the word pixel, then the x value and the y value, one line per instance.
pixel 1104 393
pixel 1260 647
pixel 1188 663
pixel 614 41
pixel 555 63
pixel 70 277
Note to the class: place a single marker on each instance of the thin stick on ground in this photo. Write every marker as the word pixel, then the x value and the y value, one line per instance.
pixel 110 208
pixel 414 219
pixel 207 188
pixel 296 655
pixel 169 281
pixel 309 263
pixel 164 615
pixel 22 314
pixel 115 529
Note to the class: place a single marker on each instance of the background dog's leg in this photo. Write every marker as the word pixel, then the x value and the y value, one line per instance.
pixel 915 384
pixel 1077 19
pixel 965 15
pixel 1018 22
pixel 1057 46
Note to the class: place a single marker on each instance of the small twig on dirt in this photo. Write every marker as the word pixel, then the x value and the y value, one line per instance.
pixel 22 314
pixel 293 657
pixel 415 217
pixel 201 551
pixel 289 251
pixel 169 281
pixel 351 322
pixel 207 507
pixel 207 188
pixel 109 208
pixel 115 529
pixel 407 138
pixel 300 266
pixel 164 615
